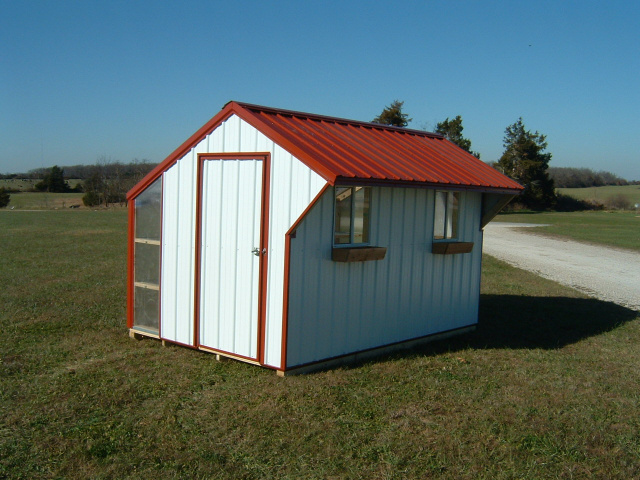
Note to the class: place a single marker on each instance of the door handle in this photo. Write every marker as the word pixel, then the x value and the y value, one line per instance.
pixel 257 252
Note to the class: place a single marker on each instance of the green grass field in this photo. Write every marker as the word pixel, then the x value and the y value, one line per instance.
pixel 615 229
pixel 44 201
pixel 603 194
pixel 547 387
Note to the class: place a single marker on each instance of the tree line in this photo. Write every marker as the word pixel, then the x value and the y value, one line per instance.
pixel 567 177
pixel 108 183
pixel 104 183
pixel 525 159
pixel 83 172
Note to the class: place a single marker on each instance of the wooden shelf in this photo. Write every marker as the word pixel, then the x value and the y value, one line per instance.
pixel 358 254
pixel 147 241
pixel 149 286
pixel 449 248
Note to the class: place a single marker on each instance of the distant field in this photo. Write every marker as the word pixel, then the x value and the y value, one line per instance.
pixel 44 201
pixel 602 194
pixel 25 184
pixel 616 229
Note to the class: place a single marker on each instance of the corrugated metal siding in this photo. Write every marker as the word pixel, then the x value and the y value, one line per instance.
pixel 293 186
pixel 178 253
pixel 337 308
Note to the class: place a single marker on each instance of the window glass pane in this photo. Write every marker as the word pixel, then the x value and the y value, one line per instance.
pixel 361 215
pixel 147 257
pixel 452 214
pixel 342 228
pixel 439 217
pixel 146 308
pixel 148 210
pixel 147 267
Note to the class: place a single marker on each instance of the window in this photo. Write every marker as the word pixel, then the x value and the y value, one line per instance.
pixel 351 225
pixel 445 225
pixel 147 258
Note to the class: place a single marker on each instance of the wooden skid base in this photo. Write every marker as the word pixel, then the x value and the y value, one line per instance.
pixel 140 335
pixel 135 335
pixel 330 363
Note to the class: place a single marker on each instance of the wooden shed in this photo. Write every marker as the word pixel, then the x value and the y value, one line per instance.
pixel 292 240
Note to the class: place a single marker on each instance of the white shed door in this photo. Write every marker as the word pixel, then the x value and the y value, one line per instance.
pixel 231 255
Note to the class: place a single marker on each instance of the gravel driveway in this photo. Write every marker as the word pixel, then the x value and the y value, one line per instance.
pixel 609 274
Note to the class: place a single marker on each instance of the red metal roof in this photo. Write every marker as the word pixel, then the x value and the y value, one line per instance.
pixel 349 151
pixel 345 150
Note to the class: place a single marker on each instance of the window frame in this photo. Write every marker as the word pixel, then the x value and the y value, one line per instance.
pixel 451 216
pixel 366 216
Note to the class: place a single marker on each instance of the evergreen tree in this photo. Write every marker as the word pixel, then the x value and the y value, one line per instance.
pixel 524 160
pixel 5 198
pixel 392 115
pixel 452 130
pixel 53 181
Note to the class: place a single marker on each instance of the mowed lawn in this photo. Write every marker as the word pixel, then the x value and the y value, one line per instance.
pixel 614 229
pixel 547 387
pixel 44 200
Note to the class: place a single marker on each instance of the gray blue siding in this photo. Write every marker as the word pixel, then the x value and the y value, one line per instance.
pixel 340 308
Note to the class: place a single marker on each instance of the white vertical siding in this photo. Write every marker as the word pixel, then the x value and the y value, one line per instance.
pixel 337 308
pixel 231 203
pixel 293 186
pixel 178 253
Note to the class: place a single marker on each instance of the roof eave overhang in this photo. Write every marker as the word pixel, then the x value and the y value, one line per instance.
pixel 376 182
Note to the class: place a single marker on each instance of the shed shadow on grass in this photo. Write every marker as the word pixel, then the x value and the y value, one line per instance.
pixel 526 322
pixel 514 321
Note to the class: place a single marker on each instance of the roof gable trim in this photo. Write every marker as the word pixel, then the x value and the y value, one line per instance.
pixel 180 152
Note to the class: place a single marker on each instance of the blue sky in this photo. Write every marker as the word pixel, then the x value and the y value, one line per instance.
pixel 84 80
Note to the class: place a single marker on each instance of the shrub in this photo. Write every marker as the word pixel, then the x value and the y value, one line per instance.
pixel 567 203
pixel 5 198
pixel 91 199
pixel 618 202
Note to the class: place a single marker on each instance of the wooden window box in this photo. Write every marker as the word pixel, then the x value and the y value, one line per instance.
pixel 358 254
pixel 448 248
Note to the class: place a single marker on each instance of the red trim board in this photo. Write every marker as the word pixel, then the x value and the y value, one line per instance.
pixel 287 273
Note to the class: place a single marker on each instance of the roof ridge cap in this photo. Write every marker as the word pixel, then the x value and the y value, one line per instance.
pixel 328 118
